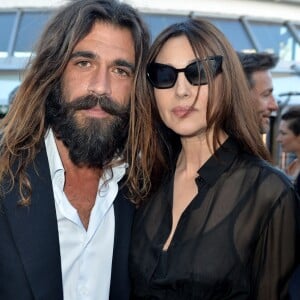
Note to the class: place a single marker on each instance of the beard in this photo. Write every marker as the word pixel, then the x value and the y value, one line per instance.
pixel 91 142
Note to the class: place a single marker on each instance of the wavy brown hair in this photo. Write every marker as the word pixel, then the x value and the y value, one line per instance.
pixel 153 147
pixel 23 128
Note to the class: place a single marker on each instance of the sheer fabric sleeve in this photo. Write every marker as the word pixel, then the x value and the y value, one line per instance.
pixel 277 249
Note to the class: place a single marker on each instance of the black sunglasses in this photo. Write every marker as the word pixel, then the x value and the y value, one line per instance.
pixel 164 76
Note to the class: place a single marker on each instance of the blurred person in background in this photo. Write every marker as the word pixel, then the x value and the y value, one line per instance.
pixel 289 139
pixel 5 108
pixel 12 95
pixel 257 68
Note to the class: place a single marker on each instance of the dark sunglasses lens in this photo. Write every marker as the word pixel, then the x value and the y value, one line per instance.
pixel 195 73
pixel 215 65
pixel 161 76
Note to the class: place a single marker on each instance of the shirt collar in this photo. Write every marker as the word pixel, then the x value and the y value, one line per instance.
pixel 220 161
pixel 55 163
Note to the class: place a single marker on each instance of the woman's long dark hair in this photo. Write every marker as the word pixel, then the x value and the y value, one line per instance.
pixel 153 146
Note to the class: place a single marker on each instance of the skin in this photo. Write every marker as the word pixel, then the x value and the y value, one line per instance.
pixel 176 105
pixel 288 140
pixel 262 92
pixel 289 143
pixel 102 66
pixel 185 114
pixel 102 63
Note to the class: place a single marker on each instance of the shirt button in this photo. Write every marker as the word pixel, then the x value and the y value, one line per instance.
pixel 83 291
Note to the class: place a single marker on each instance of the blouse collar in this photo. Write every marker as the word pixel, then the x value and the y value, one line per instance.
pixel 218 163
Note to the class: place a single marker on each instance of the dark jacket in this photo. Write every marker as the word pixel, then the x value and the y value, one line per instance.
pixel 30 266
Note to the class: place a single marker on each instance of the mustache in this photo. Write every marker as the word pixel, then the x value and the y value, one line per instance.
pixel 106 103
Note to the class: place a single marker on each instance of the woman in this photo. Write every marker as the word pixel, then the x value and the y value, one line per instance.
pixel 215 221
pixel 289 138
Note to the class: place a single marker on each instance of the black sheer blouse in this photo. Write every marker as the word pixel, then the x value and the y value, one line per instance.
pixel 237 239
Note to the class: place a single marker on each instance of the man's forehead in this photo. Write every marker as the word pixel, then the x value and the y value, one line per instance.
pixel 263 77
pixel 110 38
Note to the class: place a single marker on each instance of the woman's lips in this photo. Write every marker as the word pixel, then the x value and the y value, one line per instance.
pixel 180 111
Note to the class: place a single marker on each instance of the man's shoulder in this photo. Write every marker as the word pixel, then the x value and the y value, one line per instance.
pixel 122 200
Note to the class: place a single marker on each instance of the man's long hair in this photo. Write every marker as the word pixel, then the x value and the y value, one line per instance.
pixel 24 127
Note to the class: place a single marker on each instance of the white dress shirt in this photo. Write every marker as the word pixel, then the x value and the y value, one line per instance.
pixel 86 255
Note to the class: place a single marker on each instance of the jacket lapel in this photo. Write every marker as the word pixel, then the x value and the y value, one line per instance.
pixel 120 283
pixel 35 232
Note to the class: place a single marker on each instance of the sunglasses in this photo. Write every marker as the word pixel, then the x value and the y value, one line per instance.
pixel 164 76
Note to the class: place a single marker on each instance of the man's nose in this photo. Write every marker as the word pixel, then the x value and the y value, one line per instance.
pixel 273 106
pixel 100 82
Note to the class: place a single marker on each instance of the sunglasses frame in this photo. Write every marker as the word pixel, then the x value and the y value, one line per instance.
pixel 217 68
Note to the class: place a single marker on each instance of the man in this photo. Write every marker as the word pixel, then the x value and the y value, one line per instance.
pixel 257 70
pixel 12 95
pixel 65 220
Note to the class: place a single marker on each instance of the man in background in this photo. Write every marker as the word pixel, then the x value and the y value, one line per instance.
pixel 257 68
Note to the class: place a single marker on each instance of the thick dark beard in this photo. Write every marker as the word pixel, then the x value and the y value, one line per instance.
pixel 96 142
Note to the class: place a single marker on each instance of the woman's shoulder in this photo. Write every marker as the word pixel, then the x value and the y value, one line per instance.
pixel 269 187
pixel 267 172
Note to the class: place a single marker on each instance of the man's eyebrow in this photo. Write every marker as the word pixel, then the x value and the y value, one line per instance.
pixel 124 63
pixel 86 54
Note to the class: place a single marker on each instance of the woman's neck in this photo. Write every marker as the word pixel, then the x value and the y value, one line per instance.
pixel 195 152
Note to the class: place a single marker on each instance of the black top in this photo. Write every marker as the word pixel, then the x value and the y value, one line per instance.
pixel 235 240
pixel 297 184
